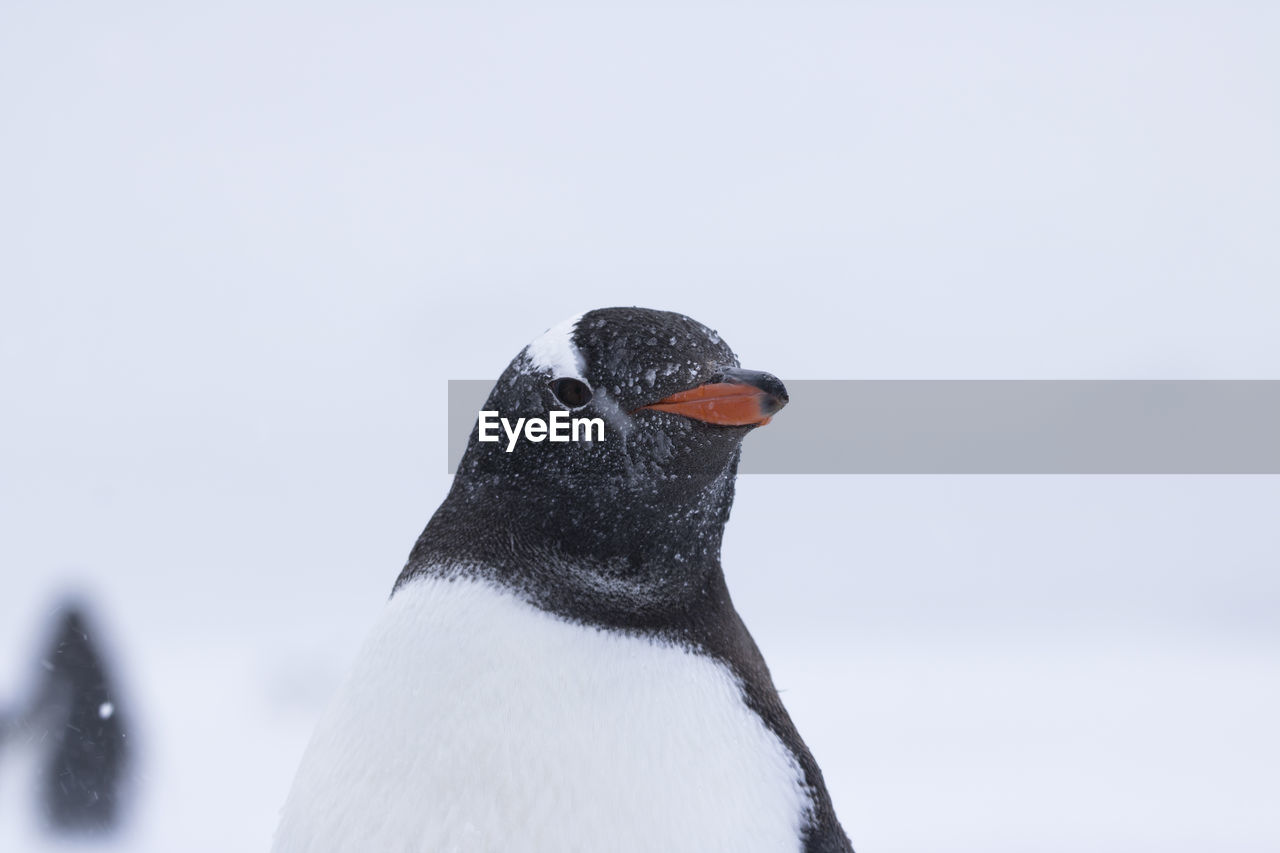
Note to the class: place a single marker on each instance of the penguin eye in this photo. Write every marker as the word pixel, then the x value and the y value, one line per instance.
pixel 571 392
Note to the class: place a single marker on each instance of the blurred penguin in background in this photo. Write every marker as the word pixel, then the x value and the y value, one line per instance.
pixel 73 721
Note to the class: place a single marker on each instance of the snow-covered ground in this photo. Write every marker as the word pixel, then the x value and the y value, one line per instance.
pixel 244 245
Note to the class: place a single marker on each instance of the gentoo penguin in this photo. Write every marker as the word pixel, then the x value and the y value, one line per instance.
pixel 73 721
pixel 560 667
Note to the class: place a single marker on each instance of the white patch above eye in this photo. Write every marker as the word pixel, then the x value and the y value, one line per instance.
pixel 554 351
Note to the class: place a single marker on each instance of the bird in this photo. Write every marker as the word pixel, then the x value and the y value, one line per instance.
pixel 560 666
pixel 73 721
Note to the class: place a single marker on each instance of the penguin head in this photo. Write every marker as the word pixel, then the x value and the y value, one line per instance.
pixel 650 401
pixel 627 519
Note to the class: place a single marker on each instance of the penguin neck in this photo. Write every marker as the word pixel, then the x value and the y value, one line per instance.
pixel 621 554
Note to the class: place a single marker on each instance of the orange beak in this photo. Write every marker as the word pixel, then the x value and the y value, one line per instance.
pixel 741 398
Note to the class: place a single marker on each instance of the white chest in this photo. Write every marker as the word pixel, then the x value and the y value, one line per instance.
pixel 474 721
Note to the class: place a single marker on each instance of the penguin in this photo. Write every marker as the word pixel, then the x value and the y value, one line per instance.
pixel 560 666
pixel 73 721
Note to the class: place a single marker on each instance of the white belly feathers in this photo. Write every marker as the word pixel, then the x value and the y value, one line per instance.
pixel 474 721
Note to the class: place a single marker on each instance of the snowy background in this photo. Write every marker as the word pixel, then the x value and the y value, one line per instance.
pixel 243 246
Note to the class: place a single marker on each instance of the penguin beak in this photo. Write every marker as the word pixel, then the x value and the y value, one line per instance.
pixel 735 397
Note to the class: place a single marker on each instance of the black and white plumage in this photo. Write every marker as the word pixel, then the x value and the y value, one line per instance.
pixel 560 666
